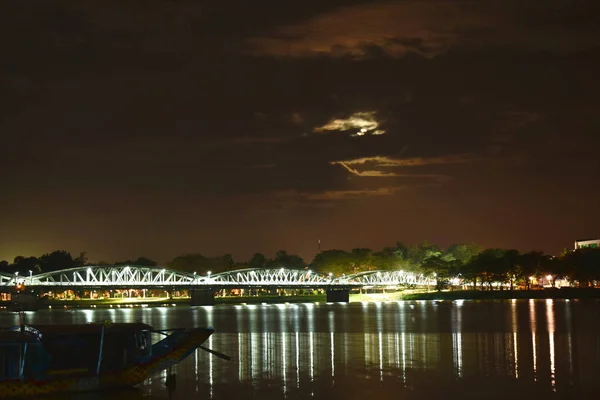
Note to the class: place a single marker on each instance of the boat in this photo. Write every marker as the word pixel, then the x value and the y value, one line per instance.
pixel 48 359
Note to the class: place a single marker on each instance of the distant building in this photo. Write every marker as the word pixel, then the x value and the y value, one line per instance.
pixel 580 244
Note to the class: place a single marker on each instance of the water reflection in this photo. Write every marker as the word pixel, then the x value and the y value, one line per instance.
pixel 550 319
pixel 533 338
pixel 304 357
pixel 515 343
pixel 306 348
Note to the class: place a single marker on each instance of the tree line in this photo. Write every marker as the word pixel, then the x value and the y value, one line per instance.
pixel 57 260
pixel 469 263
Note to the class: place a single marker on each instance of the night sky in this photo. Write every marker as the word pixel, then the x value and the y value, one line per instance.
pixel 156 128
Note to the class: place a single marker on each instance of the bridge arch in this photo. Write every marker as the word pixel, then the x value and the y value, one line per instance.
pixel 388 278
pixel 112 275
pixel 273 276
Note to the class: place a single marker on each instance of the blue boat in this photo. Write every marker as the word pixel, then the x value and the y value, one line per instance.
pixel 48 359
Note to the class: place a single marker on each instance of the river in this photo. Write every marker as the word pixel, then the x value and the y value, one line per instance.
pixel 409 349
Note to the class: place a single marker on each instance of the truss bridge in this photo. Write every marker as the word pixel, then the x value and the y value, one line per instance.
pixel 140 277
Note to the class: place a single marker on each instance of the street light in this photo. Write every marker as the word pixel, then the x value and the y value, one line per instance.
pixel 30 276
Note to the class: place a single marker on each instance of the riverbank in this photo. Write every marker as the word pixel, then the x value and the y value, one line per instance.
pixel 563 293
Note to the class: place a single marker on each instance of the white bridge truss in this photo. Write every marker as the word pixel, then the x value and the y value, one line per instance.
pixel 271 278
pixel 390 278
pixel 6 279
pixel 121 276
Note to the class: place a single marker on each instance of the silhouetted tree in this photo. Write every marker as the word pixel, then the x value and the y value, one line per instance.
pixel 202 265
pixel 258 260
pixel 462 253
pixel 336 262
pixel 417 255
pixel 584 265
pixel 81 260
pixel 530 267
pixel 145 262
pixel 22 265
pixel 440 268
pixel 511 263
pixel 59 259
pixel 557 268
pixel 392 258
pixel 284 260
pixel 222 263
pixel 189 263
pixel 4 266
pixel 362 260
pixel 141 261
pixel 488 267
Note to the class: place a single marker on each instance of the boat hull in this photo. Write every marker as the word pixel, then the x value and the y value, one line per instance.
pixel 186 343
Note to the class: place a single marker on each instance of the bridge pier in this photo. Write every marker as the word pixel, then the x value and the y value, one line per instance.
pixel 338 295
pixel 202 297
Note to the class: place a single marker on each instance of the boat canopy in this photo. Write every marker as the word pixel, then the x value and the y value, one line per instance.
pixel 91 328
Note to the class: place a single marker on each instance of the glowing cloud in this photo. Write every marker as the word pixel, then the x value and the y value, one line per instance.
pixel 364 122
pixel 375 166
pixel 385 161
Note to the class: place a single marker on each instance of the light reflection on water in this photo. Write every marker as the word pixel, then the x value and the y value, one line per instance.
pixel 532 318
pixel 322 350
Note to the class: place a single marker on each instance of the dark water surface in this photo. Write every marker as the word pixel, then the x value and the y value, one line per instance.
pixel 520 349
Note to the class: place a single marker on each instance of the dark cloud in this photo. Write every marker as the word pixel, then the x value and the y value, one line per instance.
pixel 431 28
pixel 174 120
